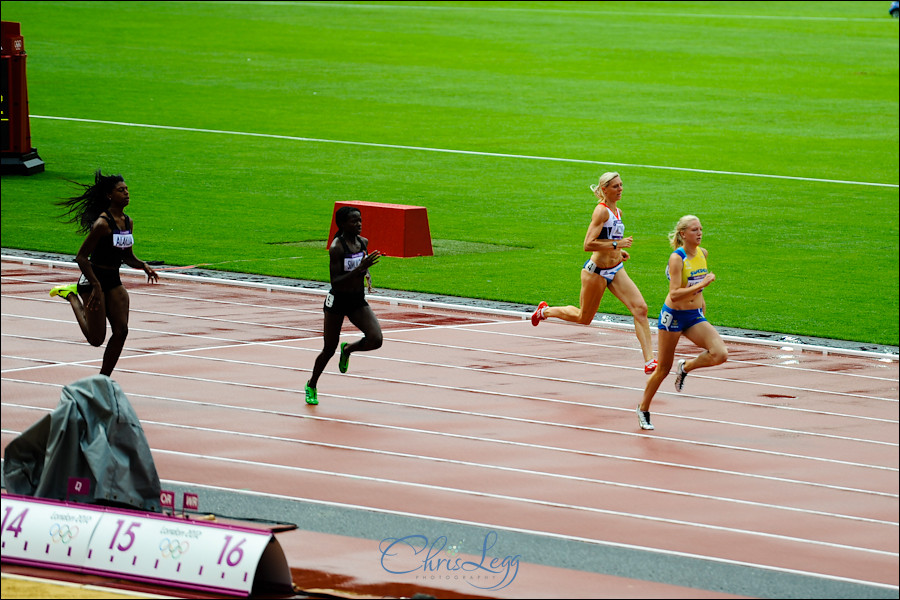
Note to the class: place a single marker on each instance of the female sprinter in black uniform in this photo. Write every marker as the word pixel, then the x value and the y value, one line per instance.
pixel 100 212
pixel 349 264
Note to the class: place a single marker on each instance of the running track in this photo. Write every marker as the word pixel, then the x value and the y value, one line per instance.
pixel 774 475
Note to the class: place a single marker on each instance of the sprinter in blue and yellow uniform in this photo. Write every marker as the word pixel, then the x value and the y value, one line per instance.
pixel 684 312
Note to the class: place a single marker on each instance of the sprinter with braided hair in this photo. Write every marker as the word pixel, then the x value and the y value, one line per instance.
pixel 100 213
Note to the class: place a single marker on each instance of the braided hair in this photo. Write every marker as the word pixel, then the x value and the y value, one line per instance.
pixel 86 208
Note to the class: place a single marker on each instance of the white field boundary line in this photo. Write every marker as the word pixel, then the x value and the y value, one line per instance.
pixel 396 301
pixel 462 152
pixel 473 438
pixel 507 498
pixel 558 11
pixel 559 536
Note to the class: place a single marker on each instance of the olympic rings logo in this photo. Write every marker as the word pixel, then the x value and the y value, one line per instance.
pixel 63 533
pixel 174 548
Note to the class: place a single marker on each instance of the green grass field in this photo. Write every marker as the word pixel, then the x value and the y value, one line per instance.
pixel 775 122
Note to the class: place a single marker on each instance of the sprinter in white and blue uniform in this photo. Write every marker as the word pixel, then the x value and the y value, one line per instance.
pixel 684 312
pixel 605 268
pixel 349 262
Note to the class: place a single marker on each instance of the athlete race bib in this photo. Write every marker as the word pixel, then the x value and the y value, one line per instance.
pixel 123 240
pixel 352 261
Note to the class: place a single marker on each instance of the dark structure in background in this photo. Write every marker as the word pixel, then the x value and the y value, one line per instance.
pixel 18 156
pixel 93 434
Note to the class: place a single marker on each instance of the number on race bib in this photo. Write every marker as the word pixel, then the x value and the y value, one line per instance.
pixel 667 319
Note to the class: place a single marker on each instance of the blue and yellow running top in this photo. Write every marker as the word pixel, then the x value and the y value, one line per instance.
pixel 693 270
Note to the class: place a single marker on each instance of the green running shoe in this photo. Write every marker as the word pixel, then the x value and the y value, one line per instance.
pixel 63 291
pixel 345 359
pixel 312 396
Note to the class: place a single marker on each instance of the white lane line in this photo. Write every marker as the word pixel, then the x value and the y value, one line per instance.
pixel 603 330
pixel 193 353
pixel 521 500
pixel 544 359
pixel 316 332
pixel 167 295
pixel 473 438
pixel 508 498
pixel 478 465
pixel 422 304
pixel 589 406
pixel 690 442
pixel 553 535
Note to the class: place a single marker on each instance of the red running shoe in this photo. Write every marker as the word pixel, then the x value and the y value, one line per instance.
pixel 650 366
pixel 536 316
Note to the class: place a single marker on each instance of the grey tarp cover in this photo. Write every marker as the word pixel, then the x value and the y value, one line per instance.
pixel 93 433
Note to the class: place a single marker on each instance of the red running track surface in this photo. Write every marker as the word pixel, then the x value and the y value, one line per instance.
pixel 783 461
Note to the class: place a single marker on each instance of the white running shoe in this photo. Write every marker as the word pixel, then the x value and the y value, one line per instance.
pixel 644 418
pixel 680 375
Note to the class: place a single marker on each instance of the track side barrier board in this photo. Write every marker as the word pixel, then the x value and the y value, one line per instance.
pixel 139 546
pixel 396 230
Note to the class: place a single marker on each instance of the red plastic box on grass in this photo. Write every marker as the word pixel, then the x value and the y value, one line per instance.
pixel 395 230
